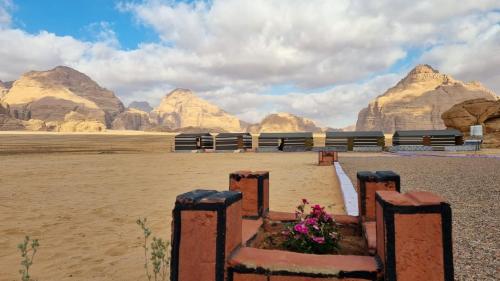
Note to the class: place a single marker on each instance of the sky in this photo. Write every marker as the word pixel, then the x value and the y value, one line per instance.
pixel 321 59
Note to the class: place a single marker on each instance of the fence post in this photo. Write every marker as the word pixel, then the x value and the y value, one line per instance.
pixel 255 189
pixel 414 239
pixel 206 229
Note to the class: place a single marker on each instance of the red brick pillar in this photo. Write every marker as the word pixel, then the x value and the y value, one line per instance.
pixel 414 236
pixel 327 158
pixel 255 189
pixel 206 229
pixel 368 184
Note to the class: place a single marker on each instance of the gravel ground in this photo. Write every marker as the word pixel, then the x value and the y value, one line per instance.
pixel 472 186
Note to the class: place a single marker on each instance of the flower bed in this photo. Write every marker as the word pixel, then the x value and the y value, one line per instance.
pixel 313 232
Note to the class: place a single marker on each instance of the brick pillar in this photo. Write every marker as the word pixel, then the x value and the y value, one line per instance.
pixel 255 189
pixel 414 236
pixel 206 229
pixel 368 184
pixel 327 158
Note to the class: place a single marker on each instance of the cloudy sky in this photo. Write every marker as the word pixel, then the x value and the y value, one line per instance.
pixel 321 59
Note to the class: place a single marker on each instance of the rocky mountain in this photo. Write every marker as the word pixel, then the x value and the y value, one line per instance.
pixel 476 112
pixel 418 101
pixel 182 108
pixel 133 119
pixel 4 88
pixel 284 122
pixel 7 122
pixel 141 105
pixel 63 95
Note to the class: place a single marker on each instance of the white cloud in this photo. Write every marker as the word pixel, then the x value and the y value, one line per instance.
pixel 5 7
pixel 475 55
pixel 233 51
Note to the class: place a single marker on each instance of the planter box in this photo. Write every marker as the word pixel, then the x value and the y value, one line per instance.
pixel 409 238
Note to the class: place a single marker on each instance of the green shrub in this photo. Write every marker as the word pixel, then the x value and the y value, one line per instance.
pixel 158 253
pixel 28 250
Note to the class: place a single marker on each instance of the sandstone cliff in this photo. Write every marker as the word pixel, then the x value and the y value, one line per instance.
pixel 7 122
pixel 284 122
pixel 181 108
pixel 417 101
pixel 56 95
pixel 132 119
pixel 476 112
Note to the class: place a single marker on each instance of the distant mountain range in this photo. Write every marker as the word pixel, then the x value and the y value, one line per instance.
pixel 63 99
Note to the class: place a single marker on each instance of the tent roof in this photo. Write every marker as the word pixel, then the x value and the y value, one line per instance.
pixel 287 135
pixel 419 133
pixel 355 134
pixel 225 135
pixel 188 135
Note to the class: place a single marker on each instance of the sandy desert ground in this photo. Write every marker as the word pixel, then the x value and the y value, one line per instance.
pixel 82 200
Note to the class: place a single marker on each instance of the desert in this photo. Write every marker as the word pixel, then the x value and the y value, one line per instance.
pixel 82 200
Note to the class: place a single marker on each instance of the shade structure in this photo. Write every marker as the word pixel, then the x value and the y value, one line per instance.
pixel 197 141
pixel 233 141
pixel 350 140
pixel 287 141
pixel 435 138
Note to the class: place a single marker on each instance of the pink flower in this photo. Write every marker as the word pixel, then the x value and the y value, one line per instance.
pixel 311 221
pixel 319 240
pixel 301 228
pixel 327 217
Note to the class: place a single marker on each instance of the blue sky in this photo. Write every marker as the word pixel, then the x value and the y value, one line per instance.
pixel 321 59
pixel 79 19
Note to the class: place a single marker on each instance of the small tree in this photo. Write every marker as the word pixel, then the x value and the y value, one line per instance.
pixel 28 251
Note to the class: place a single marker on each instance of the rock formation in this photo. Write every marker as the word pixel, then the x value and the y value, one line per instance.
pixel 181 108
pixel 7 122
pixel 417 101
pixel 56 95
pixel 132 119
pixel 284 122
pixel 476 112
pixel 4 88
pixel 141 105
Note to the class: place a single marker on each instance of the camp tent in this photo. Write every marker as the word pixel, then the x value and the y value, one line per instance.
pixel 286 141
pixel 447 137
pixel 188 141
pixel 354 139
pixel 233 141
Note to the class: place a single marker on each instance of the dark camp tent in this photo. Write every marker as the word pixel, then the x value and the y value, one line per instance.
pixel 233 141
pixel 188 141
pixel 286 141
pixel 354 139
pixel 447 137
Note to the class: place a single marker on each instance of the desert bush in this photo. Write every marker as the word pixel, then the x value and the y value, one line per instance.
pixel 315 232
pixel 28 250
pixel 158 254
